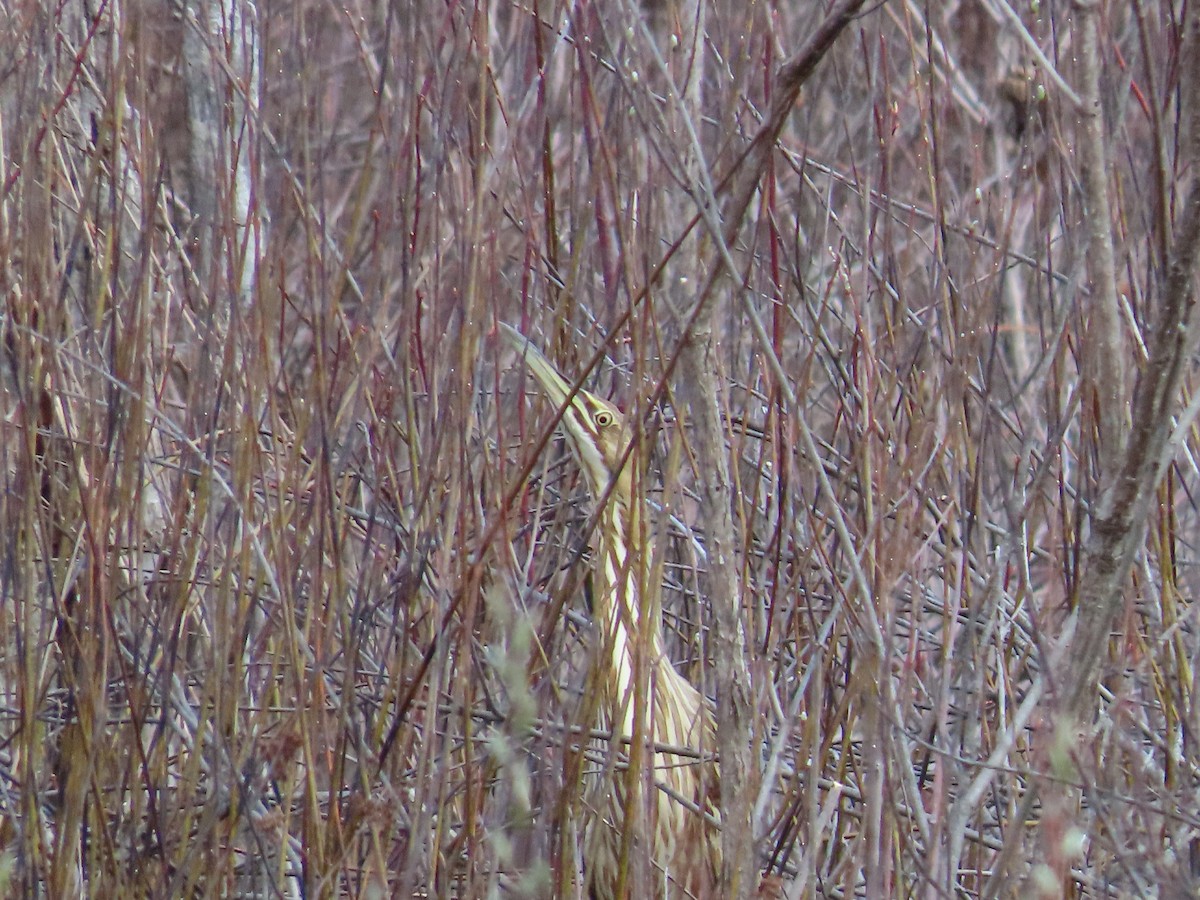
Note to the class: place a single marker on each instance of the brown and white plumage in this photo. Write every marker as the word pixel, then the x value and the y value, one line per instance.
pixel 684 844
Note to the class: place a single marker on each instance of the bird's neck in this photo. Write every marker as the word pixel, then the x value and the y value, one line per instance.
pixel 626 604
pixel 625 557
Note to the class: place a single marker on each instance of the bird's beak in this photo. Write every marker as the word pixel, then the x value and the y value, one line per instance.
pixel 557 388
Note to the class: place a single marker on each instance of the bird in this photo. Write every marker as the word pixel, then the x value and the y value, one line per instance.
pixel 682 816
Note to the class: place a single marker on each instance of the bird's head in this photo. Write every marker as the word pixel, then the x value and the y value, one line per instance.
pixel 597 431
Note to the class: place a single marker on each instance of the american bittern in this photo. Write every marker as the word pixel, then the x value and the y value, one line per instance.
pixel 682 840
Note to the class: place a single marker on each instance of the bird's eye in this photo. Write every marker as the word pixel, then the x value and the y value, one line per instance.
pixel 604 419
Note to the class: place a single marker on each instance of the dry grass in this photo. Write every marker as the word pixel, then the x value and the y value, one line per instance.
pixel 293 591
